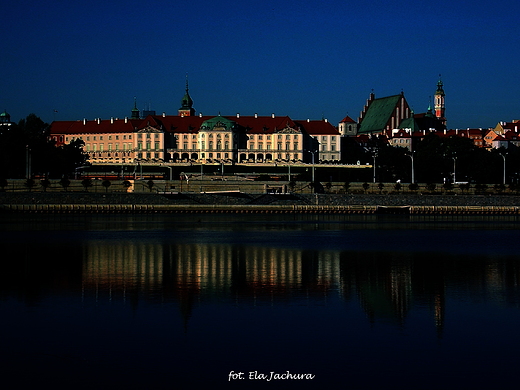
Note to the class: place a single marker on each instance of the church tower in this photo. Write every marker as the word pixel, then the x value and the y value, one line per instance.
pixel 186 103
pixel 440 113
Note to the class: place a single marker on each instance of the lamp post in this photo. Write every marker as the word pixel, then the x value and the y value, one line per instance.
pixel 374 157
pixel 454 169
pixel 504 177
pixel 413 171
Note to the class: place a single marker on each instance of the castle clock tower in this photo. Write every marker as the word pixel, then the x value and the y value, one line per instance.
pixel 186 103
pixel 440 113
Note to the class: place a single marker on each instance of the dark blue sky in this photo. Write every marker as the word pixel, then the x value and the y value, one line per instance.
pixel 305 59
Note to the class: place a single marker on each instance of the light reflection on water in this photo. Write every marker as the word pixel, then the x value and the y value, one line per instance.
pixel 359 301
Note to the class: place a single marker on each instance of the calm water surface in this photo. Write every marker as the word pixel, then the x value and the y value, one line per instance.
pixel 167 302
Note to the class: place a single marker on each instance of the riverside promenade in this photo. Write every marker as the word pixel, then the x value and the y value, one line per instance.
pixel 238 202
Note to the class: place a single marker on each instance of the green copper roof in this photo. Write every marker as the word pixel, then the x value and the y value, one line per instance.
pixel 186 101
pixel 218 121
pixel 379 114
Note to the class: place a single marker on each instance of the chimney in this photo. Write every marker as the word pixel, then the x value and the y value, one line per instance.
pixel 272 115
pixel 84 121
pixel 98 121
pixel 163 114
pixel 308 120
pixel 200 114
pixel 112 120
pixel 238 115
pixel 126 119
pixel 326 120
pixel 256 115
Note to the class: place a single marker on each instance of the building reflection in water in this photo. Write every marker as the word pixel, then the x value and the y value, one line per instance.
pixel 386 285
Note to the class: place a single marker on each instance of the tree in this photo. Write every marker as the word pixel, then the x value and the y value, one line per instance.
pixel 431 187
pixel 106 183
pixel 86 183
pixel 65 183
pixel 126 184
pixel 45 183
pixel 328 186
pixel 30 183
pixel 28 141
pixel 413 187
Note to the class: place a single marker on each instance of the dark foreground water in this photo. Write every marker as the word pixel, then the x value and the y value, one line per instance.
pixel 170 302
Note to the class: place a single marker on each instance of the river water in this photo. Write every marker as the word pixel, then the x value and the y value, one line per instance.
pixel 256 301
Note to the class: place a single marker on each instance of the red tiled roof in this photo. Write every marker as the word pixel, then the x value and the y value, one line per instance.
pixel 94 127
pixel 318 127
pixel 347 119
pixel 189 124
pixel 264 124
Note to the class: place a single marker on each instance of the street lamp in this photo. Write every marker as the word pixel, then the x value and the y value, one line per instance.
pixel 504 178
pixel 454 169
pixel 374 157
pixel 170 168
pixel 312 151
pixel 413 172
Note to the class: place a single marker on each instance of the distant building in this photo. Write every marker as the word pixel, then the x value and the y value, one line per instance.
pixel 5 119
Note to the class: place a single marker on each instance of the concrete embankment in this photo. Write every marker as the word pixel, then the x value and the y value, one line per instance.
pixel 83 202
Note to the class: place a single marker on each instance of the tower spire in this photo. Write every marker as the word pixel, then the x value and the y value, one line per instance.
pixel 135 110
pixel 440 109
pixel 186 103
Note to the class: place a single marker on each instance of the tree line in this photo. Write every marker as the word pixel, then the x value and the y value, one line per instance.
pixel 437 160
pixel 26 144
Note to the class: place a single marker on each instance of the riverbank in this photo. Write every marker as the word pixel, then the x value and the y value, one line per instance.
pixel 230 202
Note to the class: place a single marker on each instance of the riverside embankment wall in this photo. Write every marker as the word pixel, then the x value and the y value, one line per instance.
pixel 86 202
